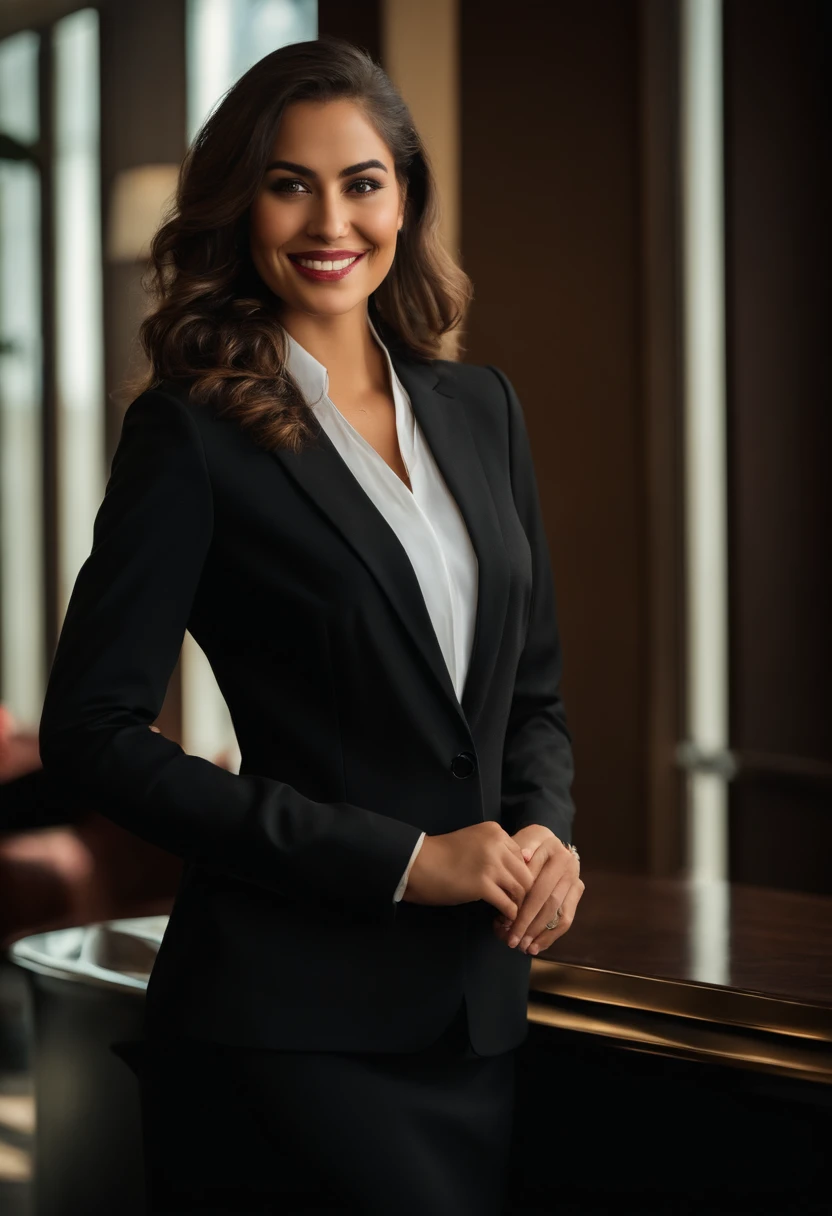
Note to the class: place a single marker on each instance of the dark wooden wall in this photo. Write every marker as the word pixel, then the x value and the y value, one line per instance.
pixel 570 229
pixel 357 20
pixel 558 168
pixel 778 82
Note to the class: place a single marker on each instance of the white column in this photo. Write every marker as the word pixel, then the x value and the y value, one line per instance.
pixel 705 464
pixel 79 336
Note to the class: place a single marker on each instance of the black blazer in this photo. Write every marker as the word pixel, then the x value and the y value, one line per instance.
pixel 284 933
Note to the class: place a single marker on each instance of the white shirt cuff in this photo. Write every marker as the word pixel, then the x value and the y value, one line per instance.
pixel 400 889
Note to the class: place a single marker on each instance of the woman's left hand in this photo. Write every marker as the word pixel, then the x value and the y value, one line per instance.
pixel 557 885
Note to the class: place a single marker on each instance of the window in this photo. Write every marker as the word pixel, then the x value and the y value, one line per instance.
pixel 22 641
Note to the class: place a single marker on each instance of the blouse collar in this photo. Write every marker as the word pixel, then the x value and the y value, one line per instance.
pixel 312 377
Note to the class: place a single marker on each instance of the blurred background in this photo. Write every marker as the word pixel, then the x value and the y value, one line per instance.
pixel 640 190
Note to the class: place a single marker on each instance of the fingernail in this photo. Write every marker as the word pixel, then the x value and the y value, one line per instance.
pixel 513 940
pixel 534 949
pixel 526 942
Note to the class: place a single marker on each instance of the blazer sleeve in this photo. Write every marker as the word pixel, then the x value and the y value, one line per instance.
pixel 538 764
pixel 118 646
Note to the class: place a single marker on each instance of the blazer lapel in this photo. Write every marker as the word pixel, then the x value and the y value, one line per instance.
pixel 323 475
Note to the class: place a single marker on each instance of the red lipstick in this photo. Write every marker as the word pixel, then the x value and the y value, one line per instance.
pixel 327 255
pixel 324 255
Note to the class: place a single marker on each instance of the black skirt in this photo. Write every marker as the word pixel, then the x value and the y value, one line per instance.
pixel 237 1130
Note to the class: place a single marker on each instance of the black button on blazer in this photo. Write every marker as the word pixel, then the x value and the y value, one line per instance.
pixel 284 933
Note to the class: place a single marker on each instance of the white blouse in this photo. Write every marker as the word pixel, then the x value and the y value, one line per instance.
pixel 427 522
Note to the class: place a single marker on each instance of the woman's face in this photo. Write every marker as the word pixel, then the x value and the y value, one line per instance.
pixel 329 194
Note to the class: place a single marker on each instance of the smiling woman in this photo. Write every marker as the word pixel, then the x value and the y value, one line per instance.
pixel 299 170
pixel 334 1006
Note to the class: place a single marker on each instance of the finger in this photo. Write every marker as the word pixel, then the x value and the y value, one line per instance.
pixel 547 912
pixel 534 901
pixel 568 910
pixel 535 857
pixel 567 916
pixel 542 942
pixel 513 845
pixel 554 863
pixel 521 876
pixel 532 868
pixel 552 853
pixel 517 863
pixel 527 870
pixel 497 897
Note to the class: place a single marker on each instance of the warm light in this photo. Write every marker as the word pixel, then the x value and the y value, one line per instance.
pixel 139 198
pixel 15 1163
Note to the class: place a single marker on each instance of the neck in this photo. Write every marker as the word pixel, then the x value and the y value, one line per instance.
pixel 344 344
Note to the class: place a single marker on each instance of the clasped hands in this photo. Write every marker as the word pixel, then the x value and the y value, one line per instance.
pixel 557 885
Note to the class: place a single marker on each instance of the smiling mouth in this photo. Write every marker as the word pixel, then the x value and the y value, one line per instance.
pixel 326 269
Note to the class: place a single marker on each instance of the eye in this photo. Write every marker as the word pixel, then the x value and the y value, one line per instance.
pixel 366 181
pixel 283 185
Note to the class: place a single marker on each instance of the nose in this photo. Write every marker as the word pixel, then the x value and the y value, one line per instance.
pixel 328 219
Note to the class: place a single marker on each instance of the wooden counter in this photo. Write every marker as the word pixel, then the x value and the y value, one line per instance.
pixel 679 1056
pixel 716 972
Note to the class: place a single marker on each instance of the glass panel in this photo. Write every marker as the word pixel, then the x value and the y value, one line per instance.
pixel 78 270
pixel 21 481
pixel 226 37
pixel 19 87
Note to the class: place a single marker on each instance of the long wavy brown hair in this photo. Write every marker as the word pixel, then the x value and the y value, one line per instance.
pixel 213 318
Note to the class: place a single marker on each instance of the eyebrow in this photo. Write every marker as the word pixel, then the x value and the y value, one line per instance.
pixel 307 172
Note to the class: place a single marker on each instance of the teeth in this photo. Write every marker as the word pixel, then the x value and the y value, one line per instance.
pixel 326 265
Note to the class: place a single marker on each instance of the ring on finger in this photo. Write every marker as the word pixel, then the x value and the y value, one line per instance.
pixel 553 924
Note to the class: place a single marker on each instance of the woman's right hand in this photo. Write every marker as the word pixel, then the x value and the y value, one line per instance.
pixel 478 862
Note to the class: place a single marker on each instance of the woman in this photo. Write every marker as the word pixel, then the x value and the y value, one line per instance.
pixel 350 529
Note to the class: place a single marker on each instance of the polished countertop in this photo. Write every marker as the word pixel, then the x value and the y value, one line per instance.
pixel 710 971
